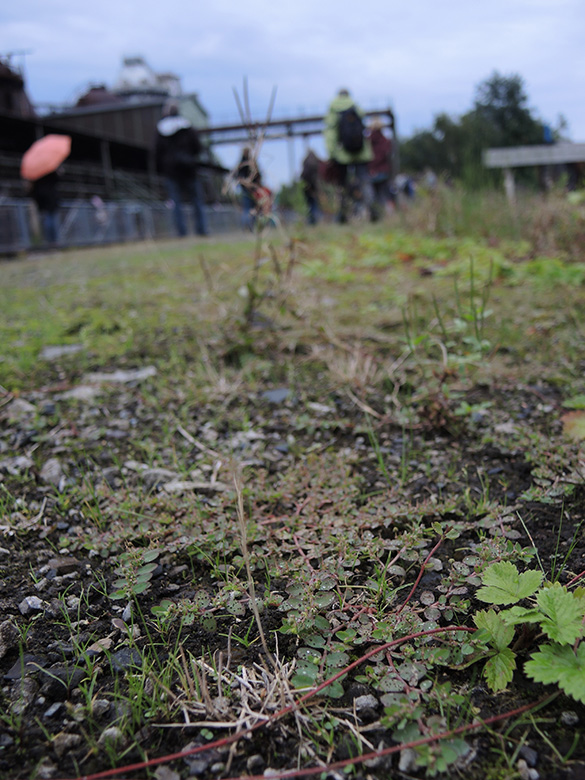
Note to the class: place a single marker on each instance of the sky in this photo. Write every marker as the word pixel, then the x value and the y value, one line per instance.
pixel 419 57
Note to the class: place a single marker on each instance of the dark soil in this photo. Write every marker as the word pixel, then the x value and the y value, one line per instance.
pixel 62 690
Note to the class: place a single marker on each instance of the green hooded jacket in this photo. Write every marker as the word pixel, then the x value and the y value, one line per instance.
pixel 334 149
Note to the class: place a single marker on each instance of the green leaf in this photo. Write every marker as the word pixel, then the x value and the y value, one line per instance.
pixel 302 681
pixel 334 690
pixel 337 658
pixel 516 615
pixel 560 664
pixel 564 614
pixel 346 635
pixel 148 568
pixel 576 402
pixel 140 587
pixel 499 634
pixel 324 598
pixel 502 584
pixel 499 670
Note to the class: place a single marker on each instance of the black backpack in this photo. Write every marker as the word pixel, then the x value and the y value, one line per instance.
pixel 350 130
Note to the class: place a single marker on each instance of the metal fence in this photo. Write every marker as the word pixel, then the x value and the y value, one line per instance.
pixel 81 223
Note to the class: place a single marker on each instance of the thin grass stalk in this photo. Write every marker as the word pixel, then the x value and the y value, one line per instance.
pixel 246 556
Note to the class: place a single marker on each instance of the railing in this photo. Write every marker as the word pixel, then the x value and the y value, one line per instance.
pixel 81 223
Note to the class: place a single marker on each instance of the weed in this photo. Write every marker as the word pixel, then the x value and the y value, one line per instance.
pixel 135 572
pixel 556 611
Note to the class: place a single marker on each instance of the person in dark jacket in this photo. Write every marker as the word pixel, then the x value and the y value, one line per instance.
pixel 45 193
pixel 310 179
pixel 351 166
pixel 177 150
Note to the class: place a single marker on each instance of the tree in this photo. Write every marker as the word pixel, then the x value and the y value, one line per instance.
pixel 501 106
pixel 453 147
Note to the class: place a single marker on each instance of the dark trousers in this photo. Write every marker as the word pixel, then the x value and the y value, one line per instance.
pixel 312 205
pixel 50 223
pixel 192 187
pixel 352 176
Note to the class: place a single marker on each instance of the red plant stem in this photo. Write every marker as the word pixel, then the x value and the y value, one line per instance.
pixel 575 579
pixel 422 570
pixel 276 716
pixel 302 552
pixel 397 748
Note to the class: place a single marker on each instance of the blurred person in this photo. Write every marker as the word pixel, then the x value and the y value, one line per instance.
pixel 177 150
pixel 45 193
pixel 350 152
pixel 248 176
pixel 380 167
pixel 310 180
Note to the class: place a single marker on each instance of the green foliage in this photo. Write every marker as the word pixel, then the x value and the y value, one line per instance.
pixel 453 146
pixel 135 570
pixel 499 669
pixel 502 584
pixel 405 713
pixel 562 665
pixel 290 196
pixel 558 612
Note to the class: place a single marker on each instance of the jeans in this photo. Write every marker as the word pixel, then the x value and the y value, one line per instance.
pixel 193 188
pixel 50 222
pixel 248 210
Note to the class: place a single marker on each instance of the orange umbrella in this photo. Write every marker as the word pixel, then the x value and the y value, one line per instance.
pixel 45 156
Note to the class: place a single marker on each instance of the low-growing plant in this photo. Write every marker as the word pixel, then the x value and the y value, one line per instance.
pixel 135 572
pixel 556 612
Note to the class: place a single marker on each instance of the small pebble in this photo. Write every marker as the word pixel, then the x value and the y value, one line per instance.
pixel 30 604
pixel 569 718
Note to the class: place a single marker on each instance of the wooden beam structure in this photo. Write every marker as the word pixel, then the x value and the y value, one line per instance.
pixel 511 157
pixel 277 129
pixel 523 156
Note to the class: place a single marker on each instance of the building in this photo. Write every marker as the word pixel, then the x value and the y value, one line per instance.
pixel 113 134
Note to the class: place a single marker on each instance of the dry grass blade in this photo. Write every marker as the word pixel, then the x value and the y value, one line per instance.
pixel 246 556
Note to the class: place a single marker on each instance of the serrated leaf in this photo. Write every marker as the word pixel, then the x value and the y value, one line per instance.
pixel 564 614
pixel 579 594
pixel 499 670
pixel 499 634
pixel 560 664
pixel 516 615
pixel 502 584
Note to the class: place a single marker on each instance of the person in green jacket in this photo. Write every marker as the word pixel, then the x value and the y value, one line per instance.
pixel 350 151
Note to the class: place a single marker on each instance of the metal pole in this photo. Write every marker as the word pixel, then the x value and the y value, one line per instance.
pixel 291 153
